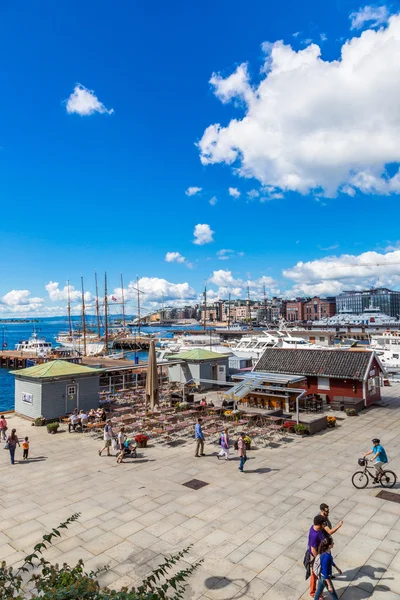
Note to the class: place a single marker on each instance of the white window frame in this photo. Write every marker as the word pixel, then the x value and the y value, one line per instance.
pixel 324 383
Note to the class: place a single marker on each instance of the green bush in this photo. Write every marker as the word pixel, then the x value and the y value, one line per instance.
pixel 52 582
pixel 53 426
pixel 300 428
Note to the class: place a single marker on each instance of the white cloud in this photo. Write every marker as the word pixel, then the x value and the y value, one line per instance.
pixel 237 287
pixel 333 274
pixel 203 234
pixel 20 301
pixel 57 294
pixel 213 201
pixel 155 289
pixel 252 194
pixel 374 15
pixel 341 130
pixel 84 102
pixel 234 192
pixel 174 257
pixel 192 191
pixel 323 37
pixel 226 254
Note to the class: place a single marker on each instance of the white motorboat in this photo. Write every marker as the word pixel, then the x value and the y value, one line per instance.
pixel 34 345
pixel 371 317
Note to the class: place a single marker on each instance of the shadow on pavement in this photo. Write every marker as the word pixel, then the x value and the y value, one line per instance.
pixel 219 583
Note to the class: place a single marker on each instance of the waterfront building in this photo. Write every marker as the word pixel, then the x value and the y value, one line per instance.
pixel 55 388
pixel 388 301
pixel 319 308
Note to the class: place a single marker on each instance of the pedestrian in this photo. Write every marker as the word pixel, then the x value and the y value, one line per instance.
pixel 315 537
pixel 12 442
pixel 3 428
pixel 25 448
pixel 224 442
pixel 199 435
pixel 329 530
pixel 103 415
pixel 121 445
pixel 242 452
pixel 107 436
pixel 323 568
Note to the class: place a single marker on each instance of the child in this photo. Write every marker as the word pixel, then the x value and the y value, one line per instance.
pixel 3 428
pixel 25 447
pixel 241 451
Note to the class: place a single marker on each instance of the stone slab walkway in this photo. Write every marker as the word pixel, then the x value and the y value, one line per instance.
pixel 250 529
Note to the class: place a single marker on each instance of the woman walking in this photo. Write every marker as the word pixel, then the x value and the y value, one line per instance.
pixel 242 452
pixel 121 445
pixel 224 441
pixel 323 569
pixel 12 442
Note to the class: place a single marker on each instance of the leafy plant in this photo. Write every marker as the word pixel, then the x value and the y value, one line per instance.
pixel 300 428
pixel 141 438
pixel 40 421
pixel 289 425
pixel 331 421
pixel 52 427
pixel 351 412
pixel 52 582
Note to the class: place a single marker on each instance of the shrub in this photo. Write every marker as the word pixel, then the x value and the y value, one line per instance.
pixel 351 412
pixel 300 428
pixel 52 582
pixel 40 421
pixel 52 427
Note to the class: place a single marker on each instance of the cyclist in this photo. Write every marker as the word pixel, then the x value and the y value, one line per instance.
pixel 379 454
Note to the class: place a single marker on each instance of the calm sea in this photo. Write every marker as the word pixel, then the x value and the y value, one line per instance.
pixel 48 328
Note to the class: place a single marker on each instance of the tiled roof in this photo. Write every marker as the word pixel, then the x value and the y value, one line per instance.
pixel 56 368
pixel 328 363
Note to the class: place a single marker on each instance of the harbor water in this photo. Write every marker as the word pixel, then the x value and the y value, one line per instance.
pixel 12 333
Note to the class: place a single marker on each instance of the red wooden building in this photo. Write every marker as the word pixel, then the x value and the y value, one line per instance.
pixel 334 374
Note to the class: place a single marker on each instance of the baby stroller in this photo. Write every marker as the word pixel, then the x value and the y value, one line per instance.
pixel 130 450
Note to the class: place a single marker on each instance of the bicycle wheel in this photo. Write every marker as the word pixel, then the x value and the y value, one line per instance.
pixel 360 480
pixel 388 479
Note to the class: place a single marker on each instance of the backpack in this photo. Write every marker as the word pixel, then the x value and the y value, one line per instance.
pixel 317 566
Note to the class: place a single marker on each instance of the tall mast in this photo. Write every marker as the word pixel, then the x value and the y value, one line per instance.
pixel 205 307
pixel 265 304
pixel 229 311
pixel 83 319
pixel 69 312
pixel 138 304
pixel 123 303
pixel 105 312
pixel 97 305
pixel 162 310
pixel 248 308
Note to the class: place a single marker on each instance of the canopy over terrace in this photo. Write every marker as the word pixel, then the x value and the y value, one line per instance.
pixel 272 389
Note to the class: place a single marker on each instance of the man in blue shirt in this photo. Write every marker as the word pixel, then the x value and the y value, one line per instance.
pixel 379 453
pixel 199 435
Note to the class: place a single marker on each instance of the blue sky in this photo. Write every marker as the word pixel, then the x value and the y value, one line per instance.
pixel 107 191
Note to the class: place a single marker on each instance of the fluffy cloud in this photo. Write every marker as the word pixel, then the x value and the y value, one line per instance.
pixel 174 257
pixel 203 234
pixel 20 301
pixel 234 192
pixel 331 275
pixel 313 124
pixel 154 290
pixel 374 15
pixel 213 201
pixel 228 284
pixel 192 191
pixel 57 294
pixel 84 102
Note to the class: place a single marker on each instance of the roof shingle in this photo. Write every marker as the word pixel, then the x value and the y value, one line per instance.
pixel 326 363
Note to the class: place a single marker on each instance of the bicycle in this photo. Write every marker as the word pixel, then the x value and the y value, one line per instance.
pixel 360 479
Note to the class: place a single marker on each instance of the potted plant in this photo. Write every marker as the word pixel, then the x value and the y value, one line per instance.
pixel 247 441
pixel 52 427
pixel 182 406
pixel 40 421
pixel 288 426
pixel 351 412
pixel 228 414
pixel 300 429
pixel 331 421
pixel 141 440
pixel 236 414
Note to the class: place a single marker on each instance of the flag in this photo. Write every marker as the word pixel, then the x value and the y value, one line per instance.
pixel 113 298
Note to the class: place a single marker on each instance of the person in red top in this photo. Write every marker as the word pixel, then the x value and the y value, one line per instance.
pixel 3 428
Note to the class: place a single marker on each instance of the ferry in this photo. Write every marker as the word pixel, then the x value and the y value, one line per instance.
pixel 34 345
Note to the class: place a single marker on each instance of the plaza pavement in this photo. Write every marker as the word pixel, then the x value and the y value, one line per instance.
pixel 250 529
